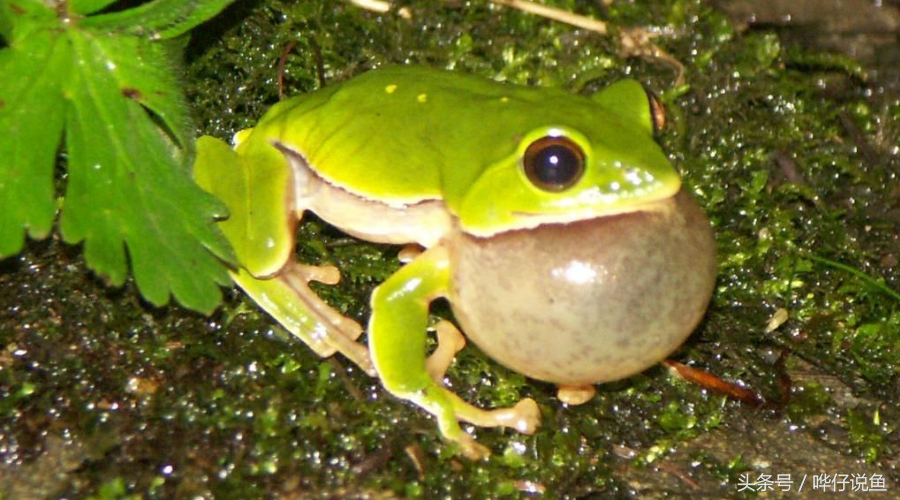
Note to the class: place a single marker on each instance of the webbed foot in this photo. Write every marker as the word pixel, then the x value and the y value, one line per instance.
pixel 290 300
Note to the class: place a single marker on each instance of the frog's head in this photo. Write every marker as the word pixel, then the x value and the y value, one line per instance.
pixel 604 161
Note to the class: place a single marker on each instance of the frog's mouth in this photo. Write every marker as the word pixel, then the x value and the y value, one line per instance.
pixel 523 220
pixel 526 220
pixel 424 223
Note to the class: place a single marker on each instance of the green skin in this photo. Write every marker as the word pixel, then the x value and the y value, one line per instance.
pixel 412 155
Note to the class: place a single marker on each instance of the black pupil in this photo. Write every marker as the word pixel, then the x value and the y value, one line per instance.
pixel 556 165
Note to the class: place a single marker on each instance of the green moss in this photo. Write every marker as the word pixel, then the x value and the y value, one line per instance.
pixel 114 490
pixel 785 149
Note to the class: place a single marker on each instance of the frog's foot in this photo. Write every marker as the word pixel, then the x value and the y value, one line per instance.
pixel 331 328
pixel 449 408
pixel 303 274
pixel 450 342
pixel 288 298
pixel 575 394
pixel 471 449
pixel 524 417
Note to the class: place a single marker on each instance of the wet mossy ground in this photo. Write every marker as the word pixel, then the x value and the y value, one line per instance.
pixel 792 152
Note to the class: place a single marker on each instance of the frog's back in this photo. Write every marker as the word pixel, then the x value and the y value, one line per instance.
pixel 404 134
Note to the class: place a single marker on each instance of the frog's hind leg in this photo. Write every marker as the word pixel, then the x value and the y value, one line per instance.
pixel 290 300
pixel 397 342
pixel 299 276
pixel 262 198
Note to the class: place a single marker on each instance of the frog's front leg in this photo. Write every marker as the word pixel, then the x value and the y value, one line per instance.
pixel 259 192
pixel 397 343
pixel 450 341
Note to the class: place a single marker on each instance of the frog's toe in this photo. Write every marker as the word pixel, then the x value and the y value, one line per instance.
pixel 527 416
pixel 524 417
pixel 295 305
pixel 575 394
pixel 473 450
pixel 329 275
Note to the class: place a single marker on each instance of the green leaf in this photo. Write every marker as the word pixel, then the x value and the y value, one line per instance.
pixel 32 111
pixel 85 7
pixel 6 27
pixel 146 74
pixel 159 19
pixel 128 142
pixel 127 186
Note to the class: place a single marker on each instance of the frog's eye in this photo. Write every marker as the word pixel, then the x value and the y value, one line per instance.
pixel 657 112
pixel 553 163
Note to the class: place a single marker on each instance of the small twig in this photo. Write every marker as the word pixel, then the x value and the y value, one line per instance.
pixel 635 41
pixel 785 384
pixel 382 7
pixel 553 13
pixel 530 487
pixel 714 383
pixel 414 452
pixel 374 460
pixel 859 138
pixel 556 14
pixel 320 63
pixel 341 373
pixel 680 474
pixel 282 62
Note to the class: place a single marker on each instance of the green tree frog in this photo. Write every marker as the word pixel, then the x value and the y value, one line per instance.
pixel 553 223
